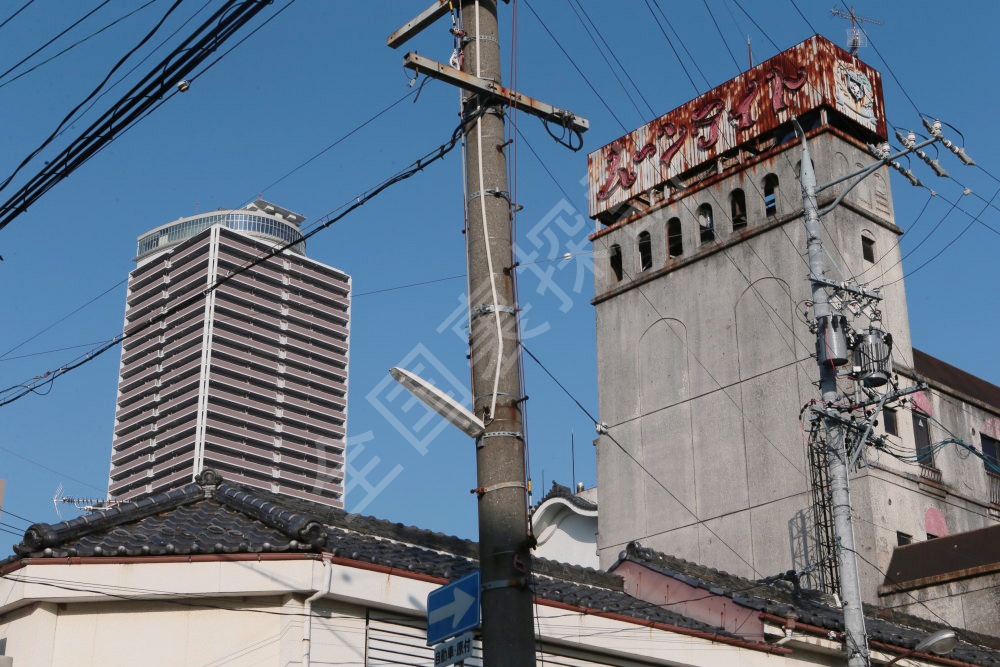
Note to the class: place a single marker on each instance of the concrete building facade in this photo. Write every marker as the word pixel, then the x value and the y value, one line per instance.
pixel 244 371
pixel 705 357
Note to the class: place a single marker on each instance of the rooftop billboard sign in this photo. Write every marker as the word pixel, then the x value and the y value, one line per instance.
pixel 815 73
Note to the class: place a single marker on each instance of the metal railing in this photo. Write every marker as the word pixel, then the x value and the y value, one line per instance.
pixel 994 487
pixel 930 474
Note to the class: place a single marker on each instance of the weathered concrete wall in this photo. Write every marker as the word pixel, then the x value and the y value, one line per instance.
pixel 705 361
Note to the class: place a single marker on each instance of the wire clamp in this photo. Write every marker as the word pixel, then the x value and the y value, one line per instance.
pixel 502 434
pixel 517 582
pixel 483 490
pixel 494 192
pixel 488 308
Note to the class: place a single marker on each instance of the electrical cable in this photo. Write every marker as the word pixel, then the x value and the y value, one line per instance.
pixel 700 522
pixel 139 102
pixel 680 40
pixel 95 91
pixel 16 516
pixel 614 57
pixel 22 8
pixel 324 222
pixel 605 58
pixel 725 42
pixel 670 43
pixel 61 319
pixel 808 22
pixel 43 46
pixel 756 25
pixel 576 67
pixel 407 286
pixel 76 44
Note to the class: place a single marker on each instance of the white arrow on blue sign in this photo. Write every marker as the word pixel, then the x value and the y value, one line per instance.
pixel 453 609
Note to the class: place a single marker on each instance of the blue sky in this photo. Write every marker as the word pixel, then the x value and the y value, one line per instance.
pixel 321 68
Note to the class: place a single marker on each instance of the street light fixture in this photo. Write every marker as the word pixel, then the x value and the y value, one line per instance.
pixel 439 402
pixel 938 643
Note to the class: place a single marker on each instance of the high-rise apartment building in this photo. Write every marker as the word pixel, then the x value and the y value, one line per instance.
pixel 248 378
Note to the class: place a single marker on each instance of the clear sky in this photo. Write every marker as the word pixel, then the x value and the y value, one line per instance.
pixel 320 69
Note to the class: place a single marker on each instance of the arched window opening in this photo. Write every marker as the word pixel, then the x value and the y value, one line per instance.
pixel 738 206
pixel 706 223
pixel 675 238
pixel 645 251
pixel 616 261
pixel 770 195
pixel 868 248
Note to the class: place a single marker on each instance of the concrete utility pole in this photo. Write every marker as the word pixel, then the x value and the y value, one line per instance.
pixel 508 633
pixel 504 551
pixel 833 351
pixel 830 328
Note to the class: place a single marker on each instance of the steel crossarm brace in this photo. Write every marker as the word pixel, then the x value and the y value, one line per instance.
pixel 515 99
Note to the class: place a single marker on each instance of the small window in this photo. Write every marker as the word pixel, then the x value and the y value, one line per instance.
pixel 931 536
pixel 868 248
pixel 902 539
pixel 675 238
pixel 922 439
pixel 889 421
pixel 645 251
pixel 991 452
pixel 706 223
pixel 738 205
pixel 616 261
pixel 770 195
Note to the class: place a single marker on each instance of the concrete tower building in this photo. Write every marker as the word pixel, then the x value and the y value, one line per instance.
pixel 705 359
pixel 250 378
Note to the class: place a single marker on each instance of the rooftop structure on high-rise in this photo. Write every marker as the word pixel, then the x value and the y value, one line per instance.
pixel 240 371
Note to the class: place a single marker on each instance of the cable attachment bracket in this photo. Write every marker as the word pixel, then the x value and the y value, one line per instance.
pixel 483 490
pixel 489 308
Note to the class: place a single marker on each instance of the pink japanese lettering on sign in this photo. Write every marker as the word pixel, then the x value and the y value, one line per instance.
pixel 753 104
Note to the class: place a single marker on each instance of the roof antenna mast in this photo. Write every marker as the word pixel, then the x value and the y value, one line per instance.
pixel 855 34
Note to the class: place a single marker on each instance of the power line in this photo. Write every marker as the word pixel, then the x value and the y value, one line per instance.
pixel 576 67
pixel 90 96
pixel 4 510
pixel 672 48
pixel 21 390
pixel 61 319
pixel 145 97
pixel 725 42
pixel 9 18
pixel 43 46
pixel 756 25
pixel 605 58
pixel 76 44
pixel 680 40
pixel 605 431
pixel 808 22
pixel 610 50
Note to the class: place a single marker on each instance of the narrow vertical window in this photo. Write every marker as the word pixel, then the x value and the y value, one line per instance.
pixel 868 248
pixel 675 238
pixel 991 453
pixel 645 251
pixel 889 421
pixel 706 223
pixel 922 440
pixel 770 195
pixel 616 261
pixel 738 206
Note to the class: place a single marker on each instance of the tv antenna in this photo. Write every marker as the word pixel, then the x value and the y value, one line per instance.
pixel 855 34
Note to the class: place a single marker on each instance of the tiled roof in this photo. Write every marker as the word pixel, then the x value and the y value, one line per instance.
pixel 811 607
pixel 560 491
pixel 213 517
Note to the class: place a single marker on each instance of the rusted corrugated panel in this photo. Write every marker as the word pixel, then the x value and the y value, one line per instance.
pixel 944 558
pixel 807 76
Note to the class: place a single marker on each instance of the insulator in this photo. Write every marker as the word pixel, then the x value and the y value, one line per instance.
pixel 873 357
pixel 831 341
pixel 963 156
pixel 938 169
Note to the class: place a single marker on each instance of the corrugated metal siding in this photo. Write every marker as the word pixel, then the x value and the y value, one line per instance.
pixel 810 75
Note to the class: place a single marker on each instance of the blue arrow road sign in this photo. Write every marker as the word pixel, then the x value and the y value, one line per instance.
pixel 453 609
